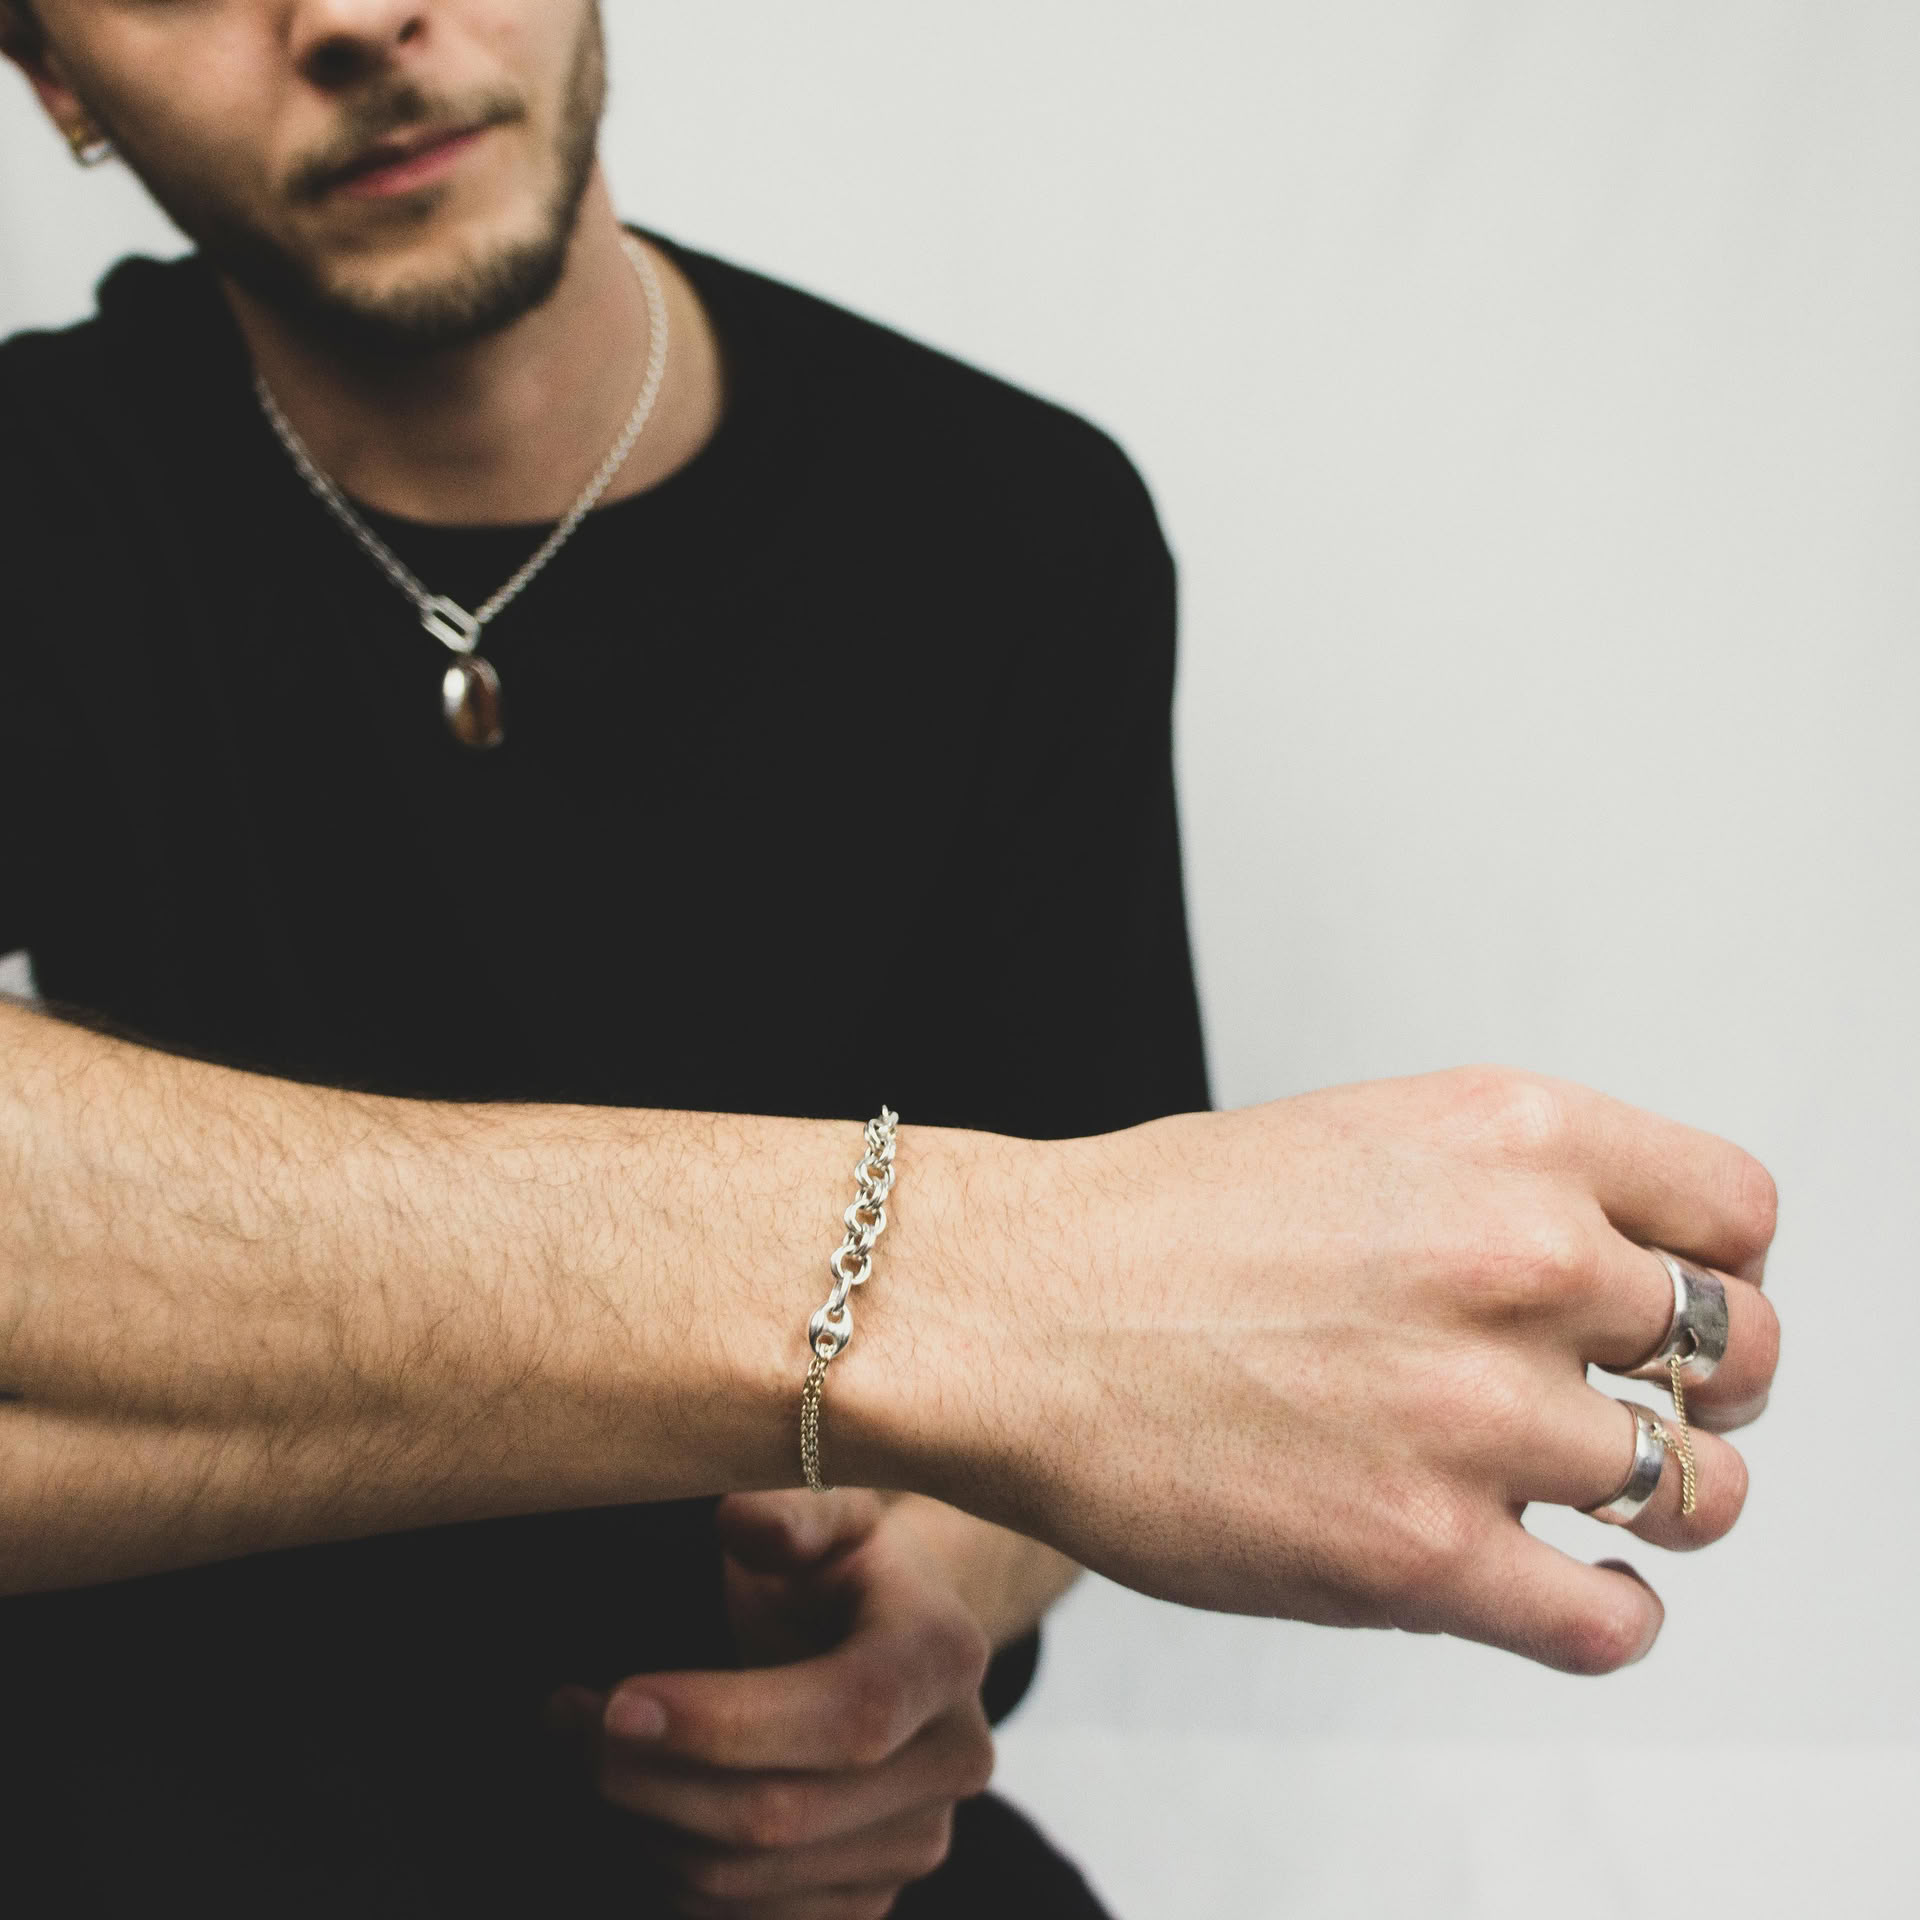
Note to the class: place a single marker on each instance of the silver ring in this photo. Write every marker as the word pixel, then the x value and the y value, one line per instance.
pixel 1643 1477
pixel 1698 1330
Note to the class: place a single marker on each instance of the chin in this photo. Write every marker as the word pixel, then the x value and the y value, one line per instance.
pixel 455 278
pixel 438 247
pixel 480 291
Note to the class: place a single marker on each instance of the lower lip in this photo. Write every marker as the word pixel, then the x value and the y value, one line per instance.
pixel 415 171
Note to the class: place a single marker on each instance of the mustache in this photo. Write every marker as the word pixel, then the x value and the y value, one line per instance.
pixel 377 117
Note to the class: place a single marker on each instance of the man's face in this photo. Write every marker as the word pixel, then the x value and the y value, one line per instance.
pixel 392 175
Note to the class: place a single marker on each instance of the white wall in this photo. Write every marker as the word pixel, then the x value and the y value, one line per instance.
pixel 1531 394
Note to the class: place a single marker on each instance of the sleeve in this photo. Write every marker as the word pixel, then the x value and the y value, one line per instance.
pixel 14 915
pixel 1097 1013
pixel 22 726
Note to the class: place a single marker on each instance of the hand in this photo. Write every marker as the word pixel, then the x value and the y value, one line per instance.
pixel 1315 1358
pixel 814 1786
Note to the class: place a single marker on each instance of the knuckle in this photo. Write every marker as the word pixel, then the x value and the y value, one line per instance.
pixel 933 1844
pixel 957 1650
pixel 774 1815
pixel 1523 1115
pixel 973 1770
pixel 1478 1089
pixel 870 1719
pixel 1536 1120
pixel 710 1876
pixel 1538 1267
pixel 709 1729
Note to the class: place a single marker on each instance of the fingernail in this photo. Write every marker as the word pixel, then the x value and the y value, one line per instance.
pixel 635 1716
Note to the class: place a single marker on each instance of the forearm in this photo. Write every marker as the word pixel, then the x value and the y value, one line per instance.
pixel 1007 1580
pixel 238 1313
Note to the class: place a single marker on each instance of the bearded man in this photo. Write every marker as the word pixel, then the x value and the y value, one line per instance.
pixel 510 713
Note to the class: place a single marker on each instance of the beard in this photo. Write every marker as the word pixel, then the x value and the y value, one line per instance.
pixel 482 295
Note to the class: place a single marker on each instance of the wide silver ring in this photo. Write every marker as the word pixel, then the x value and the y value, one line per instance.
pixel 1698 1330
pixel 1643 1477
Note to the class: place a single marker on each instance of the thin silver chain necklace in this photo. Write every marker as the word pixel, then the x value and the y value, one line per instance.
pixel 470 690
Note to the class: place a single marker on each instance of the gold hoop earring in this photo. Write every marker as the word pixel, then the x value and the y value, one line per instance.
pixel 89 148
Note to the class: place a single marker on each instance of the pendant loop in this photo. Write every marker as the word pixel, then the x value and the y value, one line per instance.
pixel 450 623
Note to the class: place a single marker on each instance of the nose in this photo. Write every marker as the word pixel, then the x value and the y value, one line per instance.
pixel 339 43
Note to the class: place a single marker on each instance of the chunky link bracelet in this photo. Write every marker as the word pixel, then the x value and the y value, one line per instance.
pixel 832 1325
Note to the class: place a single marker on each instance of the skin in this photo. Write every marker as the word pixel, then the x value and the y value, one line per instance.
pixel 226 107
pixel 1313 1359
pixel 240 119
pixel 842 1786
pixel 1310 1359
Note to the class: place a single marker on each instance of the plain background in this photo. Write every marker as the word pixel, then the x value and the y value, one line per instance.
pixel 1530 395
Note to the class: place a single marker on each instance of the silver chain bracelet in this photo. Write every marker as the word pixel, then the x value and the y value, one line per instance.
pixel 832 1325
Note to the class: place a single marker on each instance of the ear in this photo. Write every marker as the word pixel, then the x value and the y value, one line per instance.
pixel 22 41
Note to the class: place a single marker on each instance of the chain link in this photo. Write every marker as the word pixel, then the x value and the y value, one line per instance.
pixel 446 620
pixel 831 1327
pixel 1682 1448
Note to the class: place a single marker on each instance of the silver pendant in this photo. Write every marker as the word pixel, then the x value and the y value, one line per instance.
pixel 469 689
pixel 470 699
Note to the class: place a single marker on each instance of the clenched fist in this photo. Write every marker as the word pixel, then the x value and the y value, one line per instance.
pixel 819 1782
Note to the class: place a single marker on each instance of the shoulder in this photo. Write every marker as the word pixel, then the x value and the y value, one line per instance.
pixel 139 296
pixel 41 370
pixel 928 418
pixel 69 393
pixel 87 456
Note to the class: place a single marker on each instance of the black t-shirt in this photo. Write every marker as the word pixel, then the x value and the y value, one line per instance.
pixel 837 770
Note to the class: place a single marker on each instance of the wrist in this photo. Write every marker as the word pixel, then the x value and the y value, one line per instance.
pixel 758 1204
pixel 932 1395
pixel 768 1198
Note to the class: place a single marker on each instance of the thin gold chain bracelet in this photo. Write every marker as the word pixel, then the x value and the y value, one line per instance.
pixel 831 1327
pixel 1681 1448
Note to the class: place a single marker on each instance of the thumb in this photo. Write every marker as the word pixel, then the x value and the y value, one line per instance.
pixel 785 1531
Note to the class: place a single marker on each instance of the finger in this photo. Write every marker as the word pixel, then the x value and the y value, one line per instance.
pixel 1585 1451
pixel 1529 1598
pixel 906 1848
pixel 1623 1320
pixel 950 1760
pixel 853 1707
pixel 778 1532
pixel 1667 1185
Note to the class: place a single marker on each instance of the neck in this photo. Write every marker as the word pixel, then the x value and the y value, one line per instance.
pixel 508 429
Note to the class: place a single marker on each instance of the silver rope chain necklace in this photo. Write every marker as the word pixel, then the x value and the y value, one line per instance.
pixel 470 690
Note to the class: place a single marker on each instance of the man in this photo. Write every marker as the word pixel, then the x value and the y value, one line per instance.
pixel 369 1403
